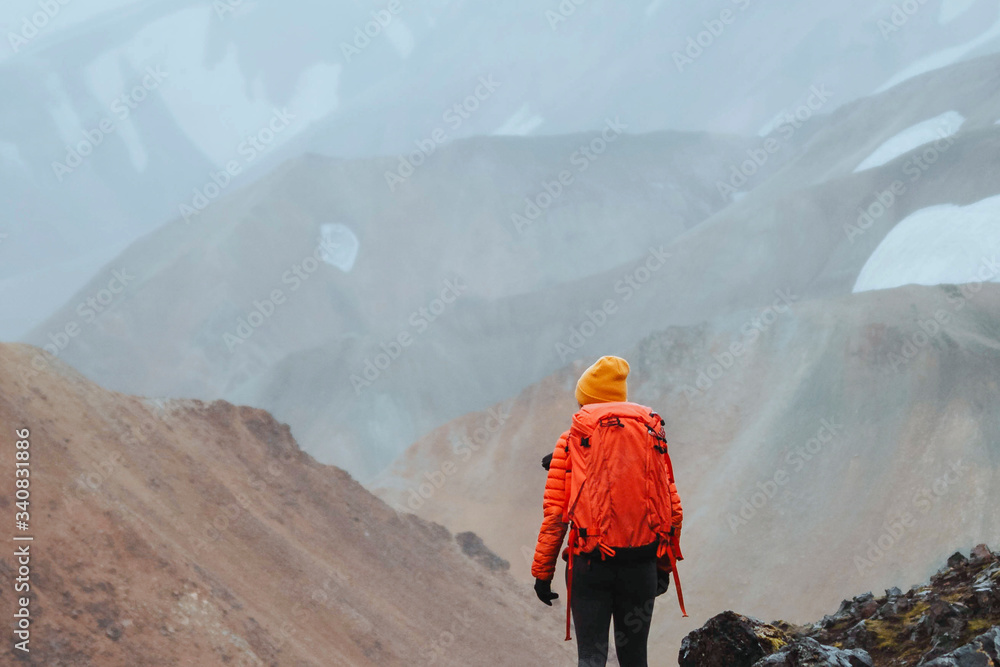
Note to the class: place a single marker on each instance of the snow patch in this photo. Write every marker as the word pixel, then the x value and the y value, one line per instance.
pixel 952 9
pixel 339 246
pixel 940 245
pixel 218 107
pixel 316 92
pixel 69 14
pixel 63 114
pixel 106 81
pixel 940 127
pixel 521 123
pixel 942 58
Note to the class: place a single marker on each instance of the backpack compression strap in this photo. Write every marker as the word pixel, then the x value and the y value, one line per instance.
pixel 668 550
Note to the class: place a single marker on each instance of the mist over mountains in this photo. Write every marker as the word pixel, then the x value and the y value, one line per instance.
pixel 469 318
pixel 76 69
pixel 396 234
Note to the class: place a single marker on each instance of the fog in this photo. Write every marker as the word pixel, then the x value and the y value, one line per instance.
pixel 383 222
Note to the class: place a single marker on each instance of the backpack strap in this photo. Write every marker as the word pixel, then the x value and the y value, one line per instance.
pixel 667 549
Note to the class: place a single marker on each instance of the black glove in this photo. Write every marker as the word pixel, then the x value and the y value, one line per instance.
pixel 662 582
pixel 543 589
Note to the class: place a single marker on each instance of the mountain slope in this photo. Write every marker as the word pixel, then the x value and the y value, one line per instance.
pixel 183 533
pixel 826 432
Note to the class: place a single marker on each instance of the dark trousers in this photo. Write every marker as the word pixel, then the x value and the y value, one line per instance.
pixel 621 589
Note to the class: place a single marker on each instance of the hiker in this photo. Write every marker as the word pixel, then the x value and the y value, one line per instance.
pixel 614 455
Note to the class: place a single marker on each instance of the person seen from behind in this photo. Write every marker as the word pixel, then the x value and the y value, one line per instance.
pixel 610 487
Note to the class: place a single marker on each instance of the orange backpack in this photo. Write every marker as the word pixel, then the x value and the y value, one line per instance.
pixel 618 475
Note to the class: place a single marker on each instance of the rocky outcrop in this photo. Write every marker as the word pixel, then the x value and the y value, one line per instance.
pixel 730 640
pixel 954 621
pixel 983 651
pixel 942 620
pixel 810 653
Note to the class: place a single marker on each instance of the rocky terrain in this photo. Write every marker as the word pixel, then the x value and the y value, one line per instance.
pixel 185 533
pixel 954 621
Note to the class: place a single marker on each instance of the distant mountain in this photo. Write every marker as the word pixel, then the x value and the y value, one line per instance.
pixel 489 221
pixel 414 78
pixel 660 230
pixel 820 446
pixel 185 533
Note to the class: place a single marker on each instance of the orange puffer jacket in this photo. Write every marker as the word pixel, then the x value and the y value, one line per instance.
pixel 553 531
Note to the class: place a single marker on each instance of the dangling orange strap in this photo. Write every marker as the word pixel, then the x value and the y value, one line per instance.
pixel 677 581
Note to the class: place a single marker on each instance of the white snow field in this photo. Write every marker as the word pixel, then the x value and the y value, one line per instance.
pixel 942 58
pixel 339 246
pixel 940 245
pixel 217 107
pixel 940 127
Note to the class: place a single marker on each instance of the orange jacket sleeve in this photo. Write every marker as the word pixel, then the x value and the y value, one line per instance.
pixel 553 531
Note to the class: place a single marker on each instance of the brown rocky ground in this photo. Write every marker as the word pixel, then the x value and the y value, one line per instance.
pixel 184 533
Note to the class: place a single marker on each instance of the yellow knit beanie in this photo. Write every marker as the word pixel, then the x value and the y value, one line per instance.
pixel 604 382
